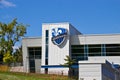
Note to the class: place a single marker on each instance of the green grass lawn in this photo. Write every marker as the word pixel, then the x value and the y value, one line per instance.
pixel 11 76
pixel 30 76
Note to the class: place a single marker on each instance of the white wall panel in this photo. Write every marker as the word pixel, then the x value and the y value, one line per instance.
pixel 90 71
pixel 56 54
pixel 96 39
pixel 111 59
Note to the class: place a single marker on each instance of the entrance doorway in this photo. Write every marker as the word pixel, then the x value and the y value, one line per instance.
pixel 34 59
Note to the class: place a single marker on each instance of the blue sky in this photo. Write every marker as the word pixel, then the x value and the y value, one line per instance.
pixel 88 16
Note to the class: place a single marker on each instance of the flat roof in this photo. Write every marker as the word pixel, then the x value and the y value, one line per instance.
pixel 111 34
pixel 55 23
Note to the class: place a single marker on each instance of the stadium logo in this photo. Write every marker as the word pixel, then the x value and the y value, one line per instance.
pixel 59 35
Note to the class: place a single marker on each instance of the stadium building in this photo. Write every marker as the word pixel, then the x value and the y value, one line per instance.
pixel 97 56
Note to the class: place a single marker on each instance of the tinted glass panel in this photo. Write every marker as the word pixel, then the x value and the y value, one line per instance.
pixel 32 65
pixel 94 50
pixel 46 40
pixel 47 33
pixel 34 52
pixel 77 52
pixel 112 49
pixel 46 51
pixel 37 48
pixel 95 54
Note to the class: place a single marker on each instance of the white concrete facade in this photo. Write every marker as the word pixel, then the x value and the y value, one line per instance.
pixel 29 42
pixel 53 55
pixel 95 69
pixel 57 54
pixel 96 39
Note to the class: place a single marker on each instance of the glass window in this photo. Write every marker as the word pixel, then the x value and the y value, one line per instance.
pixel 46 61
pixel 77 46
pixel 103 50
pixel 32 65
pixel 46 51
pixel 94 50
pixel 37 53
pixel 112 49
pixel 34 52
pixel 77 52
pixel 31 52
pixel 46 46
pixel 95 54
pixel 77 49
pixel 46 40
pixel 37 48
pixel 47 33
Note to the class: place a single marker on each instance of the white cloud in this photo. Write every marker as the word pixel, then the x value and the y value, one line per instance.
pixel 5 3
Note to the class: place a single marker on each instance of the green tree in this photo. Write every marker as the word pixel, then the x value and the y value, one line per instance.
pixel 69 62
pixel 10 34
pixel 18 55
pixel 8 58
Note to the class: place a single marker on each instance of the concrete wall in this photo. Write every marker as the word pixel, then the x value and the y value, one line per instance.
pixel 17 69
pixel 56 54
pixel 111 59
pixel 95 39
pixel 74 31
pixel 90 71
pixel 97 69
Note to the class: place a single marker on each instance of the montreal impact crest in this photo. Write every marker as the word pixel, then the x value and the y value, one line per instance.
pixel 59 35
